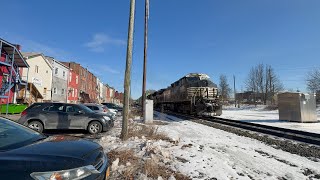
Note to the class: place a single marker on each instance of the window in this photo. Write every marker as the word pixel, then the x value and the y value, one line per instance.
pixel 5 78
pixel 62 91
pixel 56 71
pixel 76 79
pixel 90 107
pixel 55 90
pixel 47 71
pixel 54 108
pixel 64 74
pixel 70 75
pixel 76 93
pixel 37 69
pixel 72 108
pixel 72 95
pixel 44 90
pixel 95 108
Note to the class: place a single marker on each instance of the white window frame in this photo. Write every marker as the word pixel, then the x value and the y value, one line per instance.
pixel 56 71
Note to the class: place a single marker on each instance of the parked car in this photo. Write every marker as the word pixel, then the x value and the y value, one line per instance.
pixel 100 108
pixel 27 154
pixel 113 107
pixel 41 116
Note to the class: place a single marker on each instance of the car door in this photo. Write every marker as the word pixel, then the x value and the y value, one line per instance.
pixel 76 116
pixel 55 116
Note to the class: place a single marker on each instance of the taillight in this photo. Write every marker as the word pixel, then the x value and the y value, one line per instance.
pixel 24 113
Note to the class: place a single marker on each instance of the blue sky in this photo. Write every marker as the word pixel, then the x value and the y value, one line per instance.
pixel 209 36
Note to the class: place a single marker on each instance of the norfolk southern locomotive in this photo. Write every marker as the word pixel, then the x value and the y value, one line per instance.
pixel 194 93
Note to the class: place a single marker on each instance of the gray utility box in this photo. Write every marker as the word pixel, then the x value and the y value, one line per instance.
pixel 148 112
pixel 297 107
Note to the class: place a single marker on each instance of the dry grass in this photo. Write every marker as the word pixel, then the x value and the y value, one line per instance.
pixel 135 112
pixel 138 166
pixel 153 170
pixel 150 133
pixel 123 155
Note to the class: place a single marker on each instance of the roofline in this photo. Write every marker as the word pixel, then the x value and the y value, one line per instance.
pixel 45 59
pixel 17 50
pixel 57 61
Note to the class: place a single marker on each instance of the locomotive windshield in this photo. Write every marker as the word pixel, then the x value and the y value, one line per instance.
pixel 193 79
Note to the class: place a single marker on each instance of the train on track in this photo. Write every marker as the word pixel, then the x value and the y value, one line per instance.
pixel 194 93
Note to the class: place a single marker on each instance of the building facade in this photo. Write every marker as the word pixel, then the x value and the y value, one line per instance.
pixel 100 91
pixel 73 87
pixel 12 63
pixel 104 93
pixel 60 75
pixel 83 80
pixel 40 74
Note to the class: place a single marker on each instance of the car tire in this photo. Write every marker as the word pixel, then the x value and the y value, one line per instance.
pixel 36 125
pixel 95 127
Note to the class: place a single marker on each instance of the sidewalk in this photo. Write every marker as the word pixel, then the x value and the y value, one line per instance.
pixel 13 117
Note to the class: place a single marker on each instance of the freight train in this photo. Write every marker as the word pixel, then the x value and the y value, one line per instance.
pixel 194 93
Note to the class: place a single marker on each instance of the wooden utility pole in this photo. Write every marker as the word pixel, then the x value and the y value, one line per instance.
pixel 146 18
pixel 234 91
pixel 127 78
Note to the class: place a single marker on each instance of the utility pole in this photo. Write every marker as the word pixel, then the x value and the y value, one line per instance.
pixel 127 78
pixel 146 18
pixel 234 90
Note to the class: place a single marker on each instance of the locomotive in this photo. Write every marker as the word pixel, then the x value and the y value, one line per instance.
pixel 194 93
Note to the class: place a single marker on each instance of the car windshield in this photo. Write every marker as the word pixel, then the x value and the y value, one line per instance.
pixel 86 109
pixel 13 135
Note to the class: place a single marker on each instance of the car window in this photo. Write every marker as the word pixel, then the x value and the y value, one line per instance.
pixel 72 108
pixel 13 135
pixel 85 108
pixel 55 108
pixel 95 108
pixel 90 107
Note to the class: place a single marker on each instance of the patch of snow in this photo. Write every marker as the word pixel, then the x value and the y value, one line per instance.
pixel 202 152
pixel 219 154
pixel 267 117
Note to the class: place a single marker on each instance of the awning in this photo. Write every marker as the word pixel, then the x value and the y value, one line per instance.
pixel 18 58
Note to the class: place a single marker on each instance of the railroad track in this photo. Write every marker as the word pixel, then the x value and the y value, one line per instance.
pixel 301 136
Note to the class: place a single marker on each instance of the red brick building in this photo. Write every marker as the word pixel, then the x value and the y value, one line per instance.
pixel 92 86
pixel 87 86
pixel 73 87
pixel 83 81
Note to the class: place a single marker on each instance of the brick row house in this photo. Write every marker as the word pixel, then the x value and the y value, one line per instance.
pixel 73 87
pixel 39 78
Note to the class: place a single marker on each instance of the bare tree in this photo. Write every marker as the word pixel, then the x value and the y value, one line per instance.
pixel 224 87
pixel 313 80
pixel 264 82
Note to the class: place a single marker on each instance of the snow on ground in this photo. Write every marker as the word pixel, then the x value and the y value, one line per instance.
pixel 202 152
pixel 267 117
